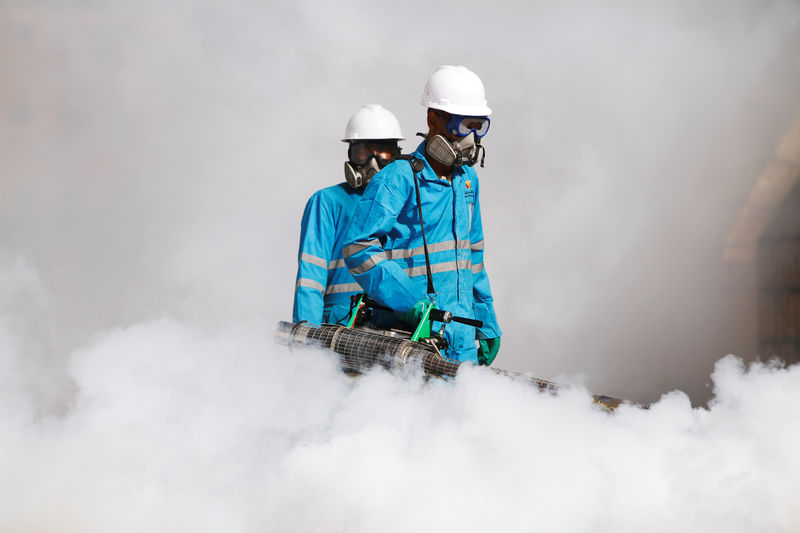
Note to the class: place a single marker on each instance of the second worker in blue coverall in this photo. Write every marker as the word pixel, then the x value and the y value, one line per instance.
pixel 383 247
pixel 324 285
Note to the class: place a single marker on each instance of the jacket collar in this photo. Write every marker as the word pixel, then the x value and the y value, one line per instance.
pixel 428 174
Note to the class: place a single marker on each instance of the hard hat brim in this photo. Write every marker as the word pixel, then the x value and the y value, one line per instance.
pixel 466 110
pixel 350 139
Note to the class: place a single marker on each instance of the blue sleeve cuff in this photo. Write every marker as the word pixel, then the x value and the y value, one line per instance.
pixel 484 311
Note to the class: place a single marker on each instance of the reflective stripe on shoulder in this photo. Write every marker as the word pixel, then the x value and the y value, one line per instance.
pixel 343 287
pixel 359 246
pixel 477 268
pixel 477 246
pixel 369 263
pixel 310 283
pixel 314 260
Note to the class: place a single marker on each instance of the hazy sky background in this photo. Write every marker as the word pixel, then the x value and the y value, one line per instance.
pixel 155 160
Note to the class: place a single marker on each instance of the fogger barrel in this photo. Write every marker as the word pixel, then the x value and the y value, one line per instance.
pixel 360 350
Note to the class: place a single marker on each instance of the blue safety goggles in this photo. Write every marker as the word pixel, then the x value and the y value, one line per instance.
pixel 462 125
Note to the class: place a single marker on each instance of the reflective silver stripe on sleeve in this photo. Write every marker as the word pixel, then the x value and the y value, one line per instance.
pixel 358 246
pixel 343 287
pixel 449 266
pixel 405 253
pixel 339 263
pixel 314 260
pixel 477 268
pixel 369 263
pixel 477 246
pixel 310 283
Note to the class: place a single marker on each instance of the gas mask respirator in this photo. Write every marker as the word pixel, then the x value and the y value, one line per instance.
pixel 467 148
pixel 358 176
pixel 366 158
pixel 464 151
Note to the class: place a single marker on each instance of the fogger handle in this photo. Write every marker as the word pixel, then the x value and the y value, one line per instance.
pixel 446 317
pixel 438 315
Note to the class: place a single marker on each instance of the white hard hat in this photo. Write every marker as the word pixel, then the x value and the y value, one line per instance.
pixel 372 122
pixel 456 90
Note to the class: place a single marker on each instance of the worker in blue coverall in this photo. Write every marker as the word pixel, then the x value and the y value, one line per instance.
pixel 384 246
pixel 324 285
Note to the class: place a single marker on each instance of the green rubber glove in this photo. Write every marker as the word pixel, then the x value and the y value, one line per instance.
pixel 487 350
pixel 414 315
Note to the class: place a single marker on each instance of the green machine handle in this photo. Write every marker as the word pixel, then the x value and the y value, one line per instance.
pixel 356 308
pixel 423 330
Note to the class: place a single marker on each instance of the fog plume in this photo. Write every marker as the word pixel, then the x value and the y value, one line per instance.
pixel 188 429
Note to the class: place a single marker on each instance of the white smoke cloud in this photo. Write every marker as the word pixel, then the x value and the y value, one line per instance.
pixel 154 162
pixel 181 428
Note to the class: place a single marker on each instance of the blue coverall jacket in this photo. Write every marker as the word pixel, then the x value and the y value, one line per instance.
pixel 383 247
pixel 324 286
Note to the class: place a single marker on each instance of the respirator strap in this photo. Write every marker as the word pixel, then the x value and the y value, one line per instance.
pixel 417 166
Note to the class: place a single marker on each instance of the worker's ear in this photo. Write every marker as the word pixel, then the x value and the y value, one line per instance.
pixel 432 120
